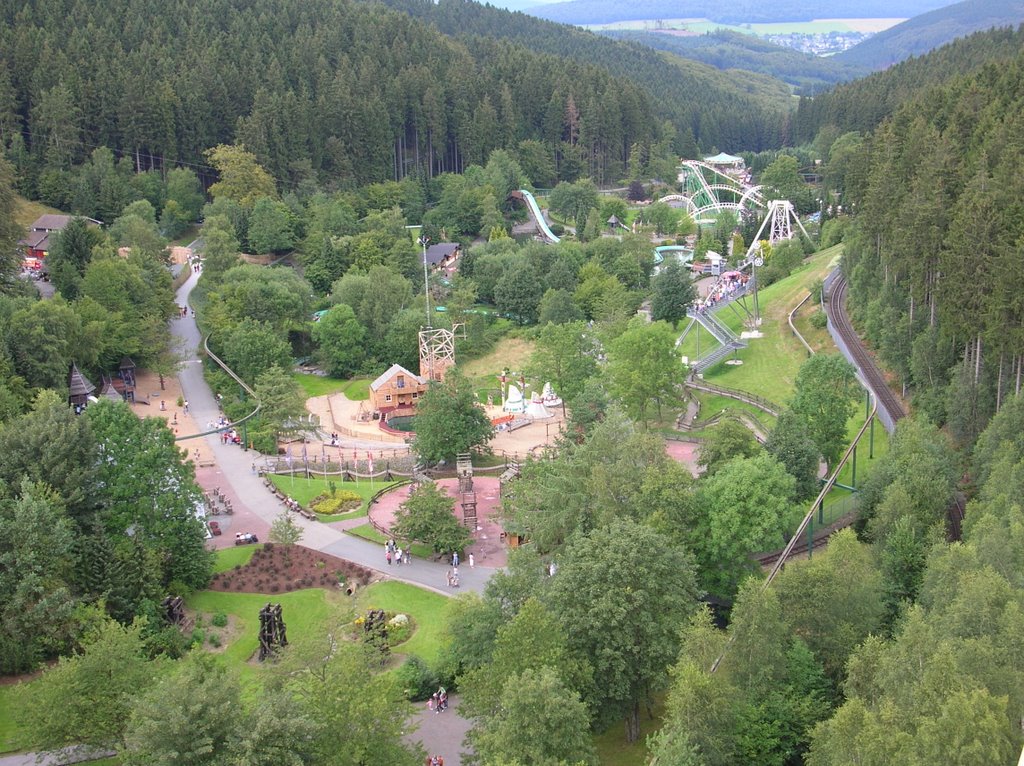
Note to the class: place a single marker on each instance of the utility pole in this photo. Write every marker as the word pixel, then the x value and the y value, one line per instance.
pixel 424 240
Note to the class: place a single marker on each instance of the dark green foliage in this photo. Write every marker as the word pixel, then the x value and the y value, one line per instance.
pixel 417 679
pixel 673 292
pixel 428 516
pixel 790 444
pixel 448 420
pixel 69 254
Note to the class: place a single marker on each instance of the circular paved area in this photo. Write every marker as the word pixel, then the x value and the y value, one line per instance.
pixel 685 453
pixel 487 548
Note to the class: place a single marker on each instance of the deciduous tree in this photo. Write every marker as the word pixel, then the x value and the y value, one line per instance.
pixel 428 516
pixel 826 391
pixel 622 593
pixel 449 421
pixel 644 369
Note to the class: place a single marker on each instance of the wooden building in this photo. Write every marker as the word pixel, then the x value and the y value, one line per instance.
pixel 397 388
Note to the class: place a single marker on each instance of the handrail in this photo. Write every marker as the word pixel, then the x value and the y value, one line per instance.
pixel 792 326
pixel 754 400
pixel 242 383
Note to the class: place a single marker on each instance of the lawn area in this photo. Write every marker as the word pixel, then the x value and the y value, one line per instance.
pixel 304 490
pixel 11 736
pixel 510 353
pixel 26 212
pixel 318 385
pixel 229 558
pixel 367 532
pixel 357 389
pixel 712 403
pixel 770 363
pixel 426 608
pixel 303 610
pixel 612 749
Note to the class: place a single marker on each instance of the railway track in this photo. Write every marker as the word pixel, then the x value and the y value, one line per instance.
pixel 887 400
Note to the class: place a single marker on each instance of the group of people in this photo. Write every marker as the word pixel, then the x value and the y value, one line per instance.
pixel 722 289
pixel 438 701
pixel 434 760
pixel 334 440
pixel 395 553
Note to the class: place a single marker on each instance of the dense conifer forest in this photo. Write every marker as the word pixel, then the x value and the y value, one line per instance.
pixel 346 93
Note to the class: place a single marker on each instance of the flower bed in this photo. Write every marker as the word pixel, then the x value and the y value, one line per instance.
pixel 342 501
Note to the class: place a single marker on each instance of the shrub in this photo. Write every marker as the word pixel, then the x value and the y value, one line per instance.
pixel 417 679
pixel 400 631
pixel 219 620
pixel 198 636
pixel 819 319
pixel 214 639
pixel 168 642
pixel 178 588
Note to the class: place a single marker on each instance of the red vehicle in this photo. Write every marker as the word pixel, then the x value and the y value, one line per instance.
pixel 214 528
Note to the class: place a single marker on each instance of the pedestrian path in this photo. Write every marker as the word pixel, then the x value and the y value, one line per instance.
pixel 235 465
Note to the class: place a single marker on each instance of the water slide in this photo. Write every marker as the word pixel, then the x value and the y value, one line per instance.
pixel 538 217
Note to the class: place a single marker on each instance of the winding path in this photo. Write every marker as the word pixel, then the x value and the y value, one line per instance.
pixel 234 465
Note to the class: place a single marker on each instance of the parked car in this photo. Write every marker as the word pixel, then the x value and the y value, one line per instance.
pixel 214 528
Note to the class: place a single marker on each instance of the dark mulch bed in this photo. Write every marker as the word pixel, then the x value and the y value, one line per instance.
pixel 276 569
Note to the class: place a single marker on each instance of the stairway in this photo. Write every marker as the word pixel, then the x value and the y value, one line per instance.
pixel 719 331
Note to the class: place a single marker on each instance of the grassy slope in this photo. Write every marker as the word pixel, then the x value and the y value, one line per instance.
pixel 510 354
pixel 770 364
pixel 25 212
pixel 11 736
pixel 357 389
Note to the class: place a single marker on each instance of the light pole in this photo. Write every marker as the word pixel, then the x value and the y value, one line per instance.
pixel 424 240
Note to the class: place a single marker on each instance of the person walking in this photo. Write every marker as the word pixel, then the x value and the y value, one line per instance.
pixel 471 563
pixel 387 554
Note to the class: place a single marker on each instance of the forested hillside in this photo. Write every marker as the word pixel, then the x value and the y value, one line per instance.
pixel 344 91
pixel 742 12
pixel 714 108
pixel 728 50
pixel 935 260
pixel 340 93
pixel 928 31
pixel 863 104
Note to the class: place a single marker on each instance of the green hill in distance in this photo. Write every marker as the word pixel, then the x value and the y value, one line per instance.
pixel 738 12
pixel 923 33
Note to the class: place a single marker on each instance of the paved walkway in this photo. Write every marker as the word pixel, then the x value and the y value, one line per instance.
pixel 440 733
pixel 235 465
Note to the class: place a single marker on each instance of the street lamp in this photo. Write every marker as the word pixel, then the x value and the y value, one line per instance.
pixel 424 240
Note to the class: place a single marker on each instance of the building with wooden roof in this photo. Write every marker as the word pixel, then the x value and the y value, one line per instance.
pixel 397 388
pixel 79 388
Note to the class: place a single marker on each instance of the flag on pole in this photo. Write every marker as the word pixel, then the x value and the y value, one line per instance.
pixel 370 456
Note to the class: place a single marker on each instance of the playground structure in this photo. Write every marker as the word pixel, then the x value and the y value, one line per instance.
pixel 707 190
